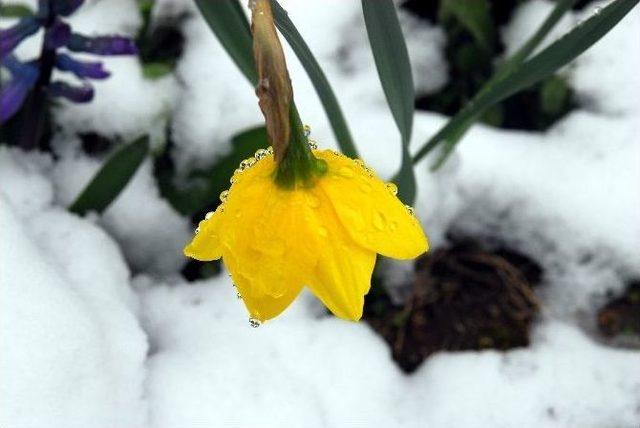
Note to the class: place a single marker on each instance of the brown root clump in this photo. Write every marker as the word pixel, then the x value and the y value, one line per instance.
pixel 464 298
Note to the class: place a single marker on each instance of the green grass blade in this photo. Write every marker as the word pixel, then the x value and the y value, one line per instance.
pixel 318 79
pixel 456 133
pixel 392 61
pixel 394 69
pixel 229 24
pixel 112 178
pixel 531 71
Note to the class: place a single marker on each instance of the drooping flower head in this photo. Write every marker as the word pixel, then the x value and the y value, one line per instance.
pixel 298 217
pixel 324 235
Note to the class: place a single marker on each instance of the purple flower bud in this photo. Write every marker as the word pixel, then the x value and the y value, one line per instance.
pixel 58 35
pixel 82 69
pixel 106 45
pixel 77 94
pixel 13 94
pixel 12 36
pixel 66 7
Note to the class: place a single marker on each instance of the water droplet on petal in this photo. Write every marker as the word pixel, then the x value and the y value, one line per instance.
pixel 261 153
pixel 270 150
pixel 360 162
pixel 238 295
pixel 313 145
pixel 410 209
pixel 197 230
pixel 307 130
pixel 254 323
pixel 392 188
pixel 208 215
pixel 346 172
pixel 224 195
pixel 247 163
pixel 379 221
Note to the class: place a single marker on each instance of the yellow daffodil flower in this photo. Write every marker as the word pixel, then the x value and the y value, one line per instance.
pixel 323 235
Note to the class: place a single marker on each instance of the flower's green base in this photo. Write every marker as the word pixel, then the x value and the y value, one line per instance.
pixel 299 166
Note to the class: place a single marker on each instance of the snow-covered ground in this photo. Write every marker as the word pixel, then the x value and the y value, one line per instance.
pixel 97 329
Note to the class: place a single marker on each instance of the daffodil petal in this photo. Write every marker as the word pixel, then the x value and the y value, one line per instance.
pixel 372 215
pixel 265 240
pixel 206 244
pixel 343 278
pixel 261 306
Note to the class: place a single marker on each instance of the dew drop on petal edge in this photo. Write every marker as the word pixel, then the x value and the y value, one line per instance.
pixel 254 323
pixel 261 153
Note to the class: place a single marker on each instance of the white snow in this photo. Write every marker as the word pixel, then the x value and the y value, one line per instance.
pixel 72 350
pixel 305 370
pixel 76 329
pixel 151 233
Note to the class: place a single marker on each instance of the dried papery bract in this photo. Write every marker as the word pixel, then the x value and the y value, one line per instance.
pixel 274 86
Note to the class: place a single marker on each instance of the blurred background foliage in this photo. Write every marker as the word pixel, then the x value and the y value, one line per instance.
pixel 473 48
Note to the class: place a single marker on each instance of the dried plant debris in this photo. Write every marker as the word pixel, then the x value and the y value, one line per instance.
pixel 464 298
pixel 619 319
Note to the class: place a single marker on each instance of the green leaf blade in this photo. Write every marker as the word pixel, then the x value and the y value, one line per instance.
pixel 392 61
pixel 229 24
pixel 112 178
pixel 520 76
pixel 15 10
pixel 394 70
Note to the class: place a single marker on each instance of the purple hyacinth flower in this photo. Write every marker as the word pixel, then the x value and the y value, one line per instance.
pixel 82 69
pixel 12 36
pixel 104 45
pixel 13 94
pixel 77 94
pixel 58 35
pixel 66 7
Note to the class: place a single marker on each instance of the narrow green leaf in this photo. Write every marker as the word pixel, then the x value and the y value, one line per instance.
pixel 473 15
pixel 531 71
pixel 392 61
pixel 394 69
pixel 229 23
pixel 15 10
pixel 405 179
pixel 112 178
pixel 318 79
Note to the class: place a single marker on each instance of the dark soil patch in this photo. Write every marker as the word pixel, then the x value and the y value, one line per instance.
pixel 620 318
pixel 464 298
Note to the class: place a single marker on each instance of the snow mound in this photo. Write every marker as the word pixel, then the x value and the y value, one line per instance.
pixel 305 370
pixel 72 350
